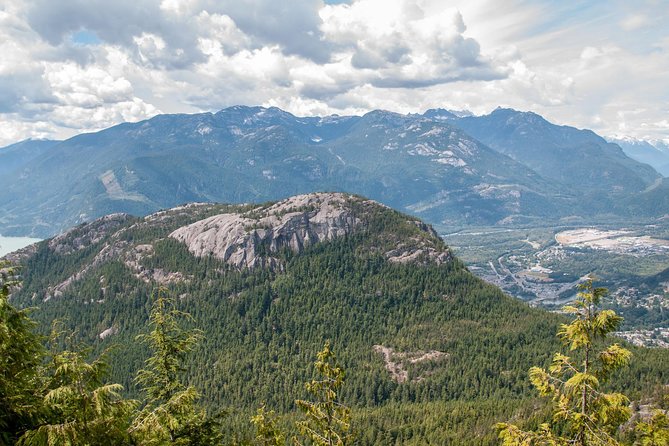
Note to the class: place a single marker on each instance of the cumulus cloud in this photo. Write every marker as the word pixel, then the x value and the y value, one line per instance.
pixel 48 88
pixel 294 26
pixel 401 46
pixel 79 65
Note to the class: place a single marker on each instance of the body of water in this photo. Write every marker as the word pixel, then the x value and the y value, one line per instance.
pixel 10 244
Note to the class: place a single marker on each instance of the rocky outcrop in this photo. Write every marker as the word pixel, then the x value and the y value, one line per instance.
pixel 131 256
pixel 396 362
pixel 419 250
pixel 422 255
pixel 20 255
pixel 107 253
pixel 88 234
pixel 250 239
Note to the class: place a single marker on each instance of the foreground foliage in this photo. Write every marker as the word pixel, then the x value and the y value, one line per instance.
pixel 20 356
pixel 328 421
pixel 171 414
pixel 77 406
pixel 583 413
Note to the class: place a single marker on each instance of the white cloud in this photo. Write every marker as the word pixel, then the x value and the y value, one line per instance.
pixel 48 90
pixel 399 45
pixel 634 22
pixel 573 65
pixel 86 87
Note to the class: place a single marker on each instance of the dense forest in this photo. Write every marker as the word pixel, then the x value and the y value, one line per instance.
pixel 428 353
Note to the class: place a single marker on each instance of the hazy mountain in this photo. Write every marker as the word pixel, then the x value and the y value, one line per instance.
pixel 579 159
pixel 437 166
pixel 251 153
pixel 16 156
pixel 268 284
pixel 654 153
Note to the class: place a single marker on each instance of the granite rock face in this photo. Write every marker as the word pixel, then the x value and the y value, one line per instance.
pixel 88 234
pixel 249 239
pixel 243 236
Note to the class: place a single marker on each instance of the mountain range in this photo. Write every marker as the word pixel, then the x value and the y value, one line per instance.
pixel 448 168
pixel 652 152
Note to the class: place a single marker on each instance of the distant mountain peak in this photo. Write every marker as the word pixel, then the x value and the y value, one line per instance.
pixel 512 112
pixel 442 114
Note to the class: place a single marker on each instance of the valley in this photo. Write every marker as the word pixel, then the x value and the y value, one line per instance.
pixel 543 265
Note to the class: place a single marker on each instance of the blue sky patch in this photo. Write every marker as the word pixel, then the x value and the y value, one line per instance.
pixel 85 37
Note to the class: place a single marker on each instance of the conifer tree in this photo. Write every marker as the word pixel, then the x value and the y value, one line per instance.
pixel 21 353
pixel 78 407
pixel 171 414
pixel 584 413
pixel 267 431
pixel 328 421
pixel 654 432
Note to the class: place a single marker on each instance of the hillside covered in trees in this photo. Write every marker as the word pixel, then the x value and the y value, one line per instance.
pixel 432 354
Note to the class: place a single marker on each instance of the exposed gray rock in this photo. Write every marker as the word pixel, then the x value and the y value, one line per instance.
pixel 245 240
pixel 107 253
pixel 418 255
pixel 88 234
pixel 396 362
pixel 20 255
pixel 111 331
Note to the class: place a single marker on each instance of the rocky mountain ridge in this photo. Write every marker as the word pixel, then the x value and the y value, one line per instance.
pixel 244 237
pixel 293 223
pixel 250 239
pixel 444 167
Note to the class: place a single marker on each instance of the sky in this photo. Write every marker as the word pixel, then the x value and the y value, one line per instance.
pixel 73 66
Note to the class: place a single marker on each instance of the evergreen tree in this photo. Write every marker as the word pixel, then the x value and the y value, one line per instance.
pixel 78 407
pixel 20 355
pixel 654 432
pixel 267 431
pixel 328 421
pixel 171 414
pixel 583 414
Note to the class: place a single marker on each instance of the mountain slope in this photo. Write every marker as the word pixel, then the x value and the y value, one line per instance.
pixel 246 154
pixel 16 156
pixel 578 159
pixel 653 153
pixel 413 328
pixel 446 167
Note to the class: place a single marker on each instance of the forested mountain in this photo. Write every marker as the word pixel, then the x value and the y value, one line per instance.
pixel 578 160
pixel 17 157
pixel 432 354
pixel 446 168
